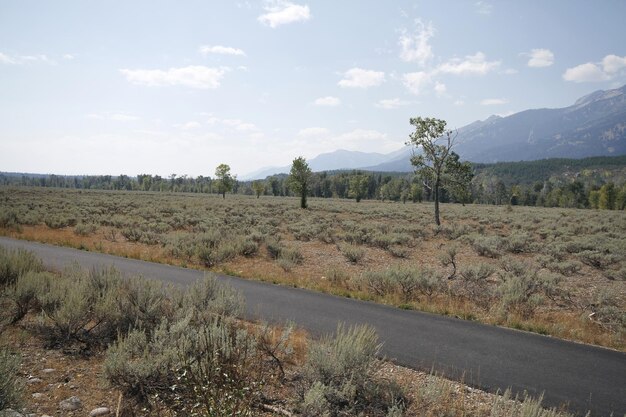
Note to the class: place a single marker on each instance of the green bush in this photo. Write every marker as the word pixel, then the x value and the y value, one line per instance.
pixel 488 246
pixel 352 253
pixel 474 284
pixel 339 376
pixel 26 292
pixel 84 229
pixel 11 386
pixel 14 263
pixel 59 222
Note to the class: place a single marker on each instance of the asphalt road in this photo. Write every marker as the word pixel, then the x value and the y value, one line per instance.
pixel 582 376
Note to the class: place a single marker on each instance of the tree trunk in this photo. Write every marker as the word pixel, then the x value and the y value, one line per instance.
pixel 436 190
pixel 303 200
pixel 224 195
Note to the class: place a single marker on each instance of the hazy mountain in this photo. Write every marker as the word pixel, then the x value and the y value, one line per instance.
pixel 595 125
pixel 340 159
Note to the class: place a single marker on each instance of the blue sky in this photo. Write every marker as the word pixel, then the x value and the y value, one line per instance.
pixel 162 87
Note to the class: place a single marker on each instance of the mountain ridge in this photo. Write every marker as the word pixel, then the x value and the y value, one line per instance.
pixel 594 125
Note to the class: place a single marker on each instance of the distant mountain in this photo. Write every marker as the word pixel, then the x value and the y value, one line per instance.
pixel 340 159
pixel 595 125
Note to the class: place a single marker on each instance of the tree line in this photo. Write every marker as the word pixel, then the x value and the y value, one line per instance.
pixel 439 176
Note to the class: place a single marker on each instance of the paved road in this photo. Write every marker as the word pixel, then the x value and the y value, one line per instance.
pixel 585 377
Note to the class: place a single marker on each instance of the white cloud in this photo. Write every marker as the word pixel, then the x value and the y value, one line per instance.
pixel 313 132
pixel 416 81
pixel 391 103
pixel 414 47
pixel 539 58
pixel 440 89
pixel 240 125
pixel 493 101
pixel 613 63
pixel 69 57
pixel 483 7
pixel 588 72
pixel 282 13
pixel 329 101
pixel 194 76
pixel 610 67
pixel 510 71
pixel 362 78
pixel 116 117
pixel 190 125
pixel 24 59
pixel 459 102
pixel 219 49
pixel 476 64
pixel 5 59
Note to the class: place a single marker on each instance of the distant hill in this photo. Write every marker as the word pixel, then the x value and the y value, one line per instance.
pixel 595 125
pixel 340 159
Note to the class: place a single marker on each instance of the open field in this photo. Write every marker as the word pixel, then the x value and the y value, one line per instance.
pixel 555 271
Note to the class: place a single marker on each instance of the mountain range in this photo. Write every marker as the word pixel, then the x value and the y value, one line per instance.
pixel 595 125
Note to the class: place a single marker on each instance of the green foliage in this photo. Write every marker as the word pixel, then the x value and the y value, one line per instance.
pixel 353 253
pixel 358 186
pixel 488 246
pixel 11 386
pixel 225 179
pixel 25 293
pixel 436 163
pixel 84 229
pixel 339 376
pixel 299 179
pixel 503 406
pixel 14 263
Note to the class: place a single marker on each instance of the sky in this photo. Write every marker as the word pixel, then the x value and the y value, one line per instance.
pixel 178 87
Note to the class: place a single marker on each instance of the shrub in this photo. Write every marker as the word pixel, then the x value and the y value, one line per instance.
pixel 337 276
pixel 14 263
pixel 26 291
pixel 597 259
pixel 488 246
pixel 376 282
pixel 506 406
pixel 11 387
pixel 518 243
pixel 9 219
pixel 339 376
pixel 352 253
pixel 274 248
pixel 291 255
pixel 520 292
pixel 59 222
pixel 208 297
pixel 474 284
pixel 84 229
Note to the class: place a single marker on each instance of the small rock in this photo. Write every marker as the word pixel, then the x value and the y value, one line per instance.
pixel 100 411
pixel 48 371
pixel 7 412
pixel 38 395
pixel 34 381
pixel 71 404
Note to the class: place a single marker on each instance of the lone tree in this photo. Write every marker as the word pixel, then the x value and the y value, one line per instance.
pixel 299 178
pixel 437 165
pixel 258 187
pixel 225 179
pixel 358 186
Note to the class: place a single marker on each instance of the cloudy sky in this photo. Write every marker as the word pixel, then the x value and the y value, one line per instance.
pixel 162 87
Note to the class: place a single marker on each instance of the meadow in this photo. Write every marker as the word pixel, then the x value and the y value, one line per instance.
pixel 553 271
